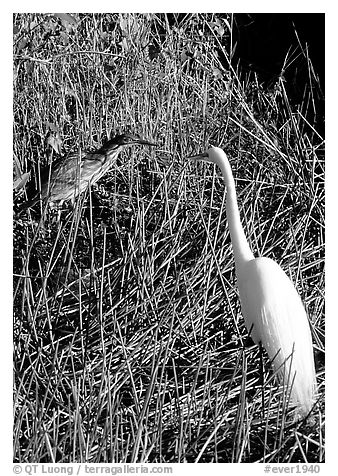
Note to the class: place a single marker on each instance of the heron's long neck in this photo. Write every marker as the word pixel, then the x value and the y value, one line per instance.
pixel 242 251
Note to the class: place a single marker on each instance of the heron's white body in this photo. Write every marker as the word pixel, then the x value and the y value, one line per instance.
pixel 272 309
pixel 275 316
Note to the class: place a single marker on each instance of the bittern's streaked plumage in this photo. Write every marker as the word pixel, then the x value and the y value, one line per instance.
pixel 69 176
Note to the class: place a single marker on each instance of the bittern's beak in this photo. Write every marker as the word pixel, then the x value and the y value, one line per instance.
pixel 144 142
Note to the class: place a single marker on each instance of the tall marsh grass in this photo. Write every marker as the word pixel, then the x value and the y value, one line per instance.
pixel 129 344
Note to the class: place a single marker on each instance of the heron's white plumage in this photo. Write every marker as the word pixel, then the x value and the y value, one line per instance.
pixel 272 308
pixel 274 312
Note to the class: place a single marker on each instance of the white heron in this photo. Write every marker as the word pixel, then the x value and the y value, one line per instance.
pixel 272 308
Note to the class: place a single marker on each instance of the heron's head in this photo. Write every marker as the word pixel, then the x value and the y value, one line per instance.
pixel 215 155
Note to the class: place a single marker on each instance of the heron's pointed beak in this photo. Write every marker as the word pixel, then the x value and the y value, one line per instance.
pixel 201 156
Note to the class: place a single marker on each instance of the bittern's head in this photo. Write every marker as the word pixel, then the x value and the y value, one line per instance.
pixel 125 139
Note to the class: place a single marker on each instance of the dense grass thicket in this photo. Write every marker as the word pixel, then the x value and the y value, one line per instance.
pixel 129 344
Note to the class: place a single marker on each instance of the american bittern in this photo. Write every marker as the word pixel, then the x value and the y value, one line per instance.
pixel 70 175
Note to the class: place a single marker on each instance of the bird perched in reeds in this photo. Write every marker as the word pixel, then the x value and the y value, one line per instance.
pixel 271 307
pixel 70 175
